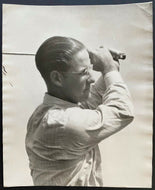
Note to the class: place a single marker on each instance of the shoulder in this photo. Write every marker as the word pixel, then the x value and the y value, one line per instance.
pixel 55 116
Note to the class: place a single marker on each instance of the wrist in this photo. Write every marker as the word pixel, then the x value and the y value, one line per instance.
pixel 112 77
pixel 108 69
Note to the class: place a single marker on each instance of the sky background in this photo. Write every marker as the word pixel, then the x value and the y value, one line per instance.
pixel 127 155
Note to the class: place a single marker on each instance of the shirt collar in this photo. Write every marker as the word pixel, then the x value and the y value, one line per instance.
pixel 51 100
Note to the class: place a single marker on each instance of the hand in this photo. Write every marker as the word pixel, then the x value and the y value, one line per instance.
pixel 102 60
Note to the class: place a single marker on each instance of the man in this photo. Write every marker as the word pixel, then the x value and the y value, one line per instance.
pixel 64 131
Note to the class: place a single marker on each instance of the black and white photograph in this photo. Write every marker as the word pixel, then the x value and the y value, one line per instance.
pixel 77 95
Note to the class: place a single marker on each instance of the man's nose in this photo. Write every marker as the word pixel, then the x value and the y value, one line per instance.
pixel 91 78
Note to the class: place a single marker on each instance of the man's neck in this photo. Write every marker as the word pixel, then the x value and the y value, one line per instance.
pixel 60 95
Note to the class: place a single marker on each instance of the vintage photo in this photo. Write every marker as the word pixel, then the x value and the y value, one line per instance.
pixel 78 95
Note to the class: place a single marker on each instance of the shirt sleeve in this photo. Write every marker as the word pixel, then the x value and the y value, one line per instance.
pixel 86 127
pixel 98 89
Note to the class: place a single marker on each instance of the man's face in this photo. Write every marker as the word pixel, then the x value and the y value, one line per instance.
pixel 77 80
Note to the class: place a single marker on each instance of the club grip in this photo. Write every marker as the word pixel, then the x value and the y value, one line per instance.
pixel 117 55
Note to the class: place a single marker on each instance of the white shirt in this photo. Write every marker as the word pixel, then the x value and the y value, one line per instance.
pixel 62 137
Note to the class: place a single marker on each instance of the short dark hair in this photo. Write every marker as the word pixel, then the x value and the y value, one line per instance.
pixel 56 53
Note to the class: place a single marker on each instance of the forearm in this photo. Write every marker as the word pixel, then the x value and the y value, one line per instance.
pixel 116 109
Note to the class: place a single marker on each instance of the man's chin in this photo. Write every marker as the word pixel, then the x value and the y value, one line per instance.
pixel 85 96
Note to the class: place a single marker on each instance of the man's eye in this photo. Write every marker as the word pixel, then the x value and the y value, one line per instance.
pixel 84 72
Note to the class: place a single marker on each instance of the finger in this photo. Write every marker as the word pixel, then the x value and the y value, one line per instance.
pixel 117 55
pixel 122 56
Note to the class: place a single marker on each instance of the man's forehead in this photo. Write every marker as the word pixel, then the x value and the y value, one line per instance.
pixel 81 58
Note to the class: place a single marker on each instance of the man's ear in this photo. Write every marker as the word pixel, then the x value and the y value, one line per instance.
pixel 56 78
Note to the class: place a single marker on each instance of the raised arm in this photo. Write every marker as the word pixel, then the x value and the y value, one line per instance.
pixel 114 112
